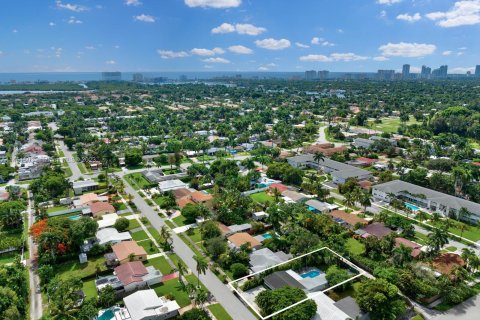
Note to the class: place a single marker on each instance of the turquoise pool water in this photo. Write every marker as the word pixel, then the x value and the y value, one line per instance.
pixel 267 236
pixel 107 315
pixel 311 274
pixel 74 217
pixel 261 185
pixel 412 207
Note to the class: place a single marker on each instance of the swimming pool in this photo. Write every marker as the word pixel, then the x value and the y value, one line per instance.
pixel 412 207
pixel 74 217
pixel 267 236
pixel 311 274
pixel 107 315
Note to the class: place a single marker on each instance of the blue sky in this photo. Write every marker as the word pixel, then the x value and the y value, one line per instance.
pixel 237 35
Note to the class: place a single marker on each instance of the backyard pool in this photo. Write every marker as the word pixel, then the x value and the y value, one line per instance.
pixel 267 236
pixel 412 207
pixel 107 315
pixel 74 217
pixel 311 274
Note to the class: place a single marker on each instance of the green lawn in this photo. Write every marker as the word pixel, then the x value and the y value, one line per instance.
pixel 160 264
pixel 74 268
pixel 89 288
pixel 8 257
pixel 149 246
pixel 421 238
pixel 138 181
pixel 122 206
pixel 219 312
pixel 390 125
pixel 56 209
pixel 472 232
pixel 355 247
pixel 175 288
pixel 159 200
pixel 196 236
pixel 68 172
pixel 451 248
pixel 180 220
pixel 133 223
pixel 139 235
pixel 262 197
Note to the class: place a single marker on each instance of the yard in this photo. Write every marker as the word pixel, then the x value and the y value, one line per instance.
pixel 8 257
pixel 133 224
pixel 390 125
pixel 56 209
pixel 180 220
pixel 355 247
pixel 139 235
pixel 74 268
pixel 262 197
pixel 160 264
pixel 138 181
pixel 149 246
pixel 175 288
pixel 219 312
pixel 89 288
pixel 471 232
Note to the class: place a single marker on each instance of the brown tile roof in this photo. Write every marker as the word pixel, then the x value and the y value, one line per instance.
pixel 410 244
pixel 180 193
pixel 314 148
pixel 366 160
pixel 182 202
pixel 123 249
pixel 351 219
pixel 201 197
pixel 101 206
pixel 378 230
pixel 238 239
pixel 447 262
pixel 223 228
pixel 279 186
pixel 88 197
pixel 131 272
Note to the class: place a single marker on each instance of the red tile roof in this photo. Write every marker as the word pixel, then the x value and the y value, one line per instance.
pixel 201 197
pixel 410 244
pixel 279 186
pixel 367 160
pixel 123 249
pixel 101 206
pixel 447 262
pixel 183 202
pixel 131 272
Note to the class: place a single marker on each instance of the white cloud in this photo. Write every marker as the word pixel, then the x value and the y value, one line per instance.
pixel 57 52
pixel 271 64
pixel 238 49
pixel 463 13
pixel 52 24
pixel 462 69
pixel 380 58
pixel 111 62
pixel 1 52
pixel 169 54
pixel 240 28
pixel 328 44
pixel 383 14
pixel 409 18
pixel 340 31
pixel 71 7
pixel 90 48
pixel 301 45
pixel 333 57
pixel 447 53
pixel 133 2
pixel 216 60
pixel 116 46
pixel 388 2
pixel 408 50
pixel 217 4
pixel 144 18
pixel 273 44
pixel 315 40
pixel 206 52
pixel 73 20
pixel 263 69
pixel 15 31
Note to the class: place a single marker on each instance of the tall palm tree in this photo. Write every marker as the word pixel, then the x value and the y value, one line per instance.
pixel 349 199
pixel 437 239
pixel 318 157
pixel 402 255
pixel 202 266
pixel 462 176
pixel 463 214
pixel 463 227
pixel 182 270
pixel 201 296
pixel 366 200
pixel 276 194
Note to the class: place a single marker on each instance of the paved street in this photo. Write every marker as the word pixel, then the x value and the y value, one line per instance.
pixel 72 164
pixel 222 294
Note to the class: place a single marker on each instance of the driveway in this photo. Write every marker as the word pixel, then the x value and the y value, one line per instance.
pixel 220 291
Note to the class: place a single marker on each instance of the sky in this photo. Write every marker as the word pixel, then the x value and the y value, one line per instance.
pixel 238 35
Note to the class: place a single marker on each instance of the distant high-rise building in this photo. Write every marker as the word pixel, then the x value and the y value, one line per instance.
pixel 322 75
pixel 425 73
pixel 183 78
pixel 477 71
pixel 138 77
pixel 111 76
pixel 385 74
pixel 440 72
pixel 310 75
pixel 406 71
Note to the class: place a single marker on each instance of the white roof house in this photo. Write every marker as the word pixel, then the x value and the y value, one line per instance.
pixel 170 185
pixel 326 309
pixel 108 220
pixel 145 304
pixel 264 258
pixel 111 235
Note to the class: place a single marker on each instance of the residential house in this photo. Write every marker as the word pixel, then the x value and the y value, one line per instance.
pixel 293 196
pixel 425 198
pixel 80 187
pixel 416 248
pixel 107 220
pixel 319 206
pixel 447 262
pixel 278 186
pixel 100 208
pixel 201 197
pixel 265 258
pixel 126 251
pixel 170 185
pixel 294 279
pixel 347 219
pixel 134 275
pixel 238 239
pixel 146 305
pixel 153 176
pixel 377 230
pixel 111 236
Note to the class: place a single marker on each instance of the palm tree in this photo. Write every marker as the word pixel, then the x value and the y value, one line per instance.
pixel 365 200
pixel 182 270
pixel 437 239
pixel 401 255
pixel 322 193
pixel 349 199
pixel 276 194
pixel 463 214
pixel 462 176
pixel 201 296
pixel 318 157
pixel 463 227
pixel 202 266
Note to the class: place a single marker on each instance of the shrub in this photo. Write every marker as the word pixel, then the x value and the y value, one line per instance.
pixel 121 224
pixel 238 270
